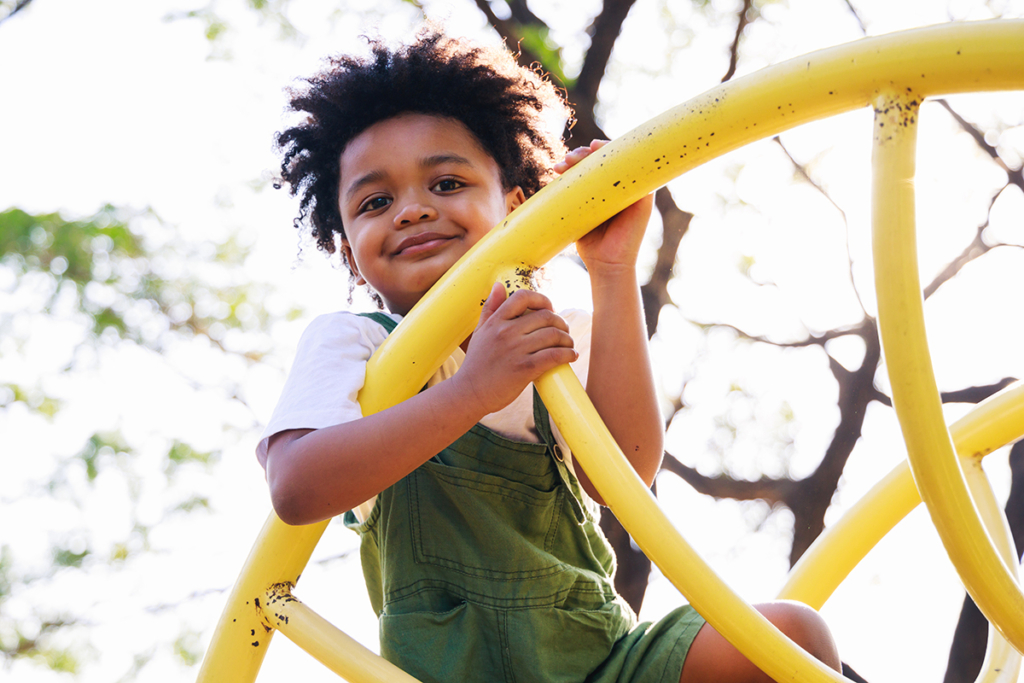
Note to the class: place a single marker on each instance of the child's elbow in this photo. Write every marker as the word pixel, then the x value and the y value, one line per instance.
pixel 288 499
pixel 288 490
pixel 287 506
pixel 289 513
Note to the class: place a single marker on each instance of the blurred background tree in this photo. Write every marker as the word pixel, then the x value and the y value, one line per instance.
pixel 87 293
pixel 758 295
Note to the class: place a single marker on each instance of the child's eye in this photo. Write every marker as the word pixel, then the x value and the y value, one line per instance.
pixel 374 204
pixel 446 185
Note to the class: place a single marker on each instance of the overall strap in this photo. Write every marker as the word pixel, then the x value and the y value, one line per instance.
pixel 382 318
pixel 542 420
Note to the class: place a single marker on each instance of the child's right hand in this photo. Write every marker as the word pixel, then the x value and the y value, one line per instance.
pixel 517 339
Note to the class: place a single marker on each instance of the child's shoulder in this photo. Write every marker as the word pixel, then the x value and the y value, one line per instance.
pixel 345 327
pixel 346 319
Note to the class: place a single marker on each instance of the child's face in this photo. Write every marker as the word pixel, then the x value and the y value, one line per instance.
pixel 416 192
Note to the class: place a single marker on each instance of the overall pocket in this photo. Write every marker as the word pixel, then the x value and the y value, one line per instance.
pixel 483 525
pixel 461 644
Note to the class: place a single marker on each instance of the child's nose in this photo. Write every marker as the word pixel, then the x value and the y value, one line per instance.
pixel 414 212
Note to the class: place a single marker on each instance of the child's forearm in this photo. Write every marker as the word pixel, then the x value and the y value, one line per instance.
pixel 621 382
pixel 317 474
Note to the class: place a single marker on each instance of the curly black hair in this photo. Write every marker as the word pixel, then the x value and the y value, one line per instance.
pixel 509 108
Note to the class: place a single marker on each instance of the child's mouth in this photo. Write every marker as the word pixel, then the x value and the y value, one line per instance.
pixel 416 244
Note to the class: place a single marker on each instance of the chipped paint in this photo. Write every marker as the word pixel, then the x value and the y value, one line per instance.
pixel 895 112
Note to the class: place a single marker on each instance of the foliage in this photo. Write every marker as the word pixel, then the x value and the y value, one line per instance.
pixel 116 282
pixel 121 284
pixel 219 24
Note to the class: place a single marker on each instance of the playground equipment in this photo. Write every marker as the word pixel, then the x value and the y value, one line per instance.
pixel 893 74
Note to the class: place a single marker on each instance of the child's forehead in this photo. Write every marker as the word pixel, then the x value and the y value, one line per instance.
pixel 422 139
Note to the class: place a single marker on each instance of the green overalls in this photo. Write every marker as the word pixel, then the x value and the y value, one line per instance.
pixel 484 565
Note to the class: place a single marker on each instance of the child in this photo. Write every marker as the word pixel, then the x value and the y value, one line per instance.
pixel 480 544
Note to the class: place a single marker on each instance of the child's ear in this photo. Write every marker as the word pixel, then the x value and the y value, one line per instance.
pixel 513 198
pixel 351 261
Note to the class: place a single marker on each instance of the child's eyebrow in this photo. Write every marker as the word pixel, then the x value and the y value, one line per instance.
pixel 446 158
pixel 371 177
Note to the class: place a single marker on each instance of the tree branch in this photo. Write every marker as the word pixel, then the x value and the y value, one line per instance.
pixel 810 497
pixel 846 225
pixel 865 327
pixel 975 394
pixel 856 391
pixel 976 248
pixel 723 486
pixel 603 31
pixel 742 20
pixel 856 15
pixel 674 224
pixel 1014 176
pixel 522 14
pixel 509 30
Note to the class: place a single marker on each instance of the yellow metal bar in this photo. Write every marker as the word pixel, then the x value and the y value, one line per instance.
pixel 325 642
pixel 839 549
pixel 992 424
pixel 1002 662
pixel 933 462
pixel 625 493
pixel 242 636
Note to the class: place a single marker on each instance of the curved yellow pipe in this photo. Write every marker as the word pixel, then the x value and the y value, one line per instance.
pixel 628 497
pixel 992 424
pixel 326 643
pixel 986 575
pixel 243 635
pixel 996 422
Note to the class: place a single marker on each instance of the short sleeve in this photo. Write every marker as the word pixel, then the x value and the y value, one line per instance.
pixel 326 376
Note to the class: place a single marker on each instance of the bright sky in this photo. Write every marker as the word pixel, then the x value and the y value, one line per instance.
pixel 104 102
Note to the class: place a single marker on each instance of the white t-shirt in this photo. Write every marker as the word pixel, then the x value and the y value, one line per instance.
pixel 330 367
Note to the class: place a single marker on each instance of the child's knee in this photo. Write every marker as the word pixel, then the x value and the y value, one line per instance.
pixel 804 626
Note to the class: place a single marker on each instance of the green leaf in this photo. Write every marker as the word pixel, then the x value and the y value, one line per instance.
pixel 98 445
pixel 188 647
pixel 194 503
pixel 538 41
pixel 63 557
pixel 215 29
pixel 119 552
pixel 115 273
pixel 181 453
pixel 62 660
pixel 33 398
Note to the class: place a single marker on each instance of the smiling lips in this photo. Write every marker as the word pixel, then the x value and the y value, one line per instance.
pixel 424 241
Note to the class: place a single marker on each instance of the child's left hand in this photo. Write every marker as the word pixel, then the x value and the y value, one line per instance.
pixel 616 242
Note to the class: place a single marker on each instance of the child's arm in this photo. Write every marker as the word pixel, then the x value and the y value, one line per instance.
pixel 620 382
pixel 317 474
